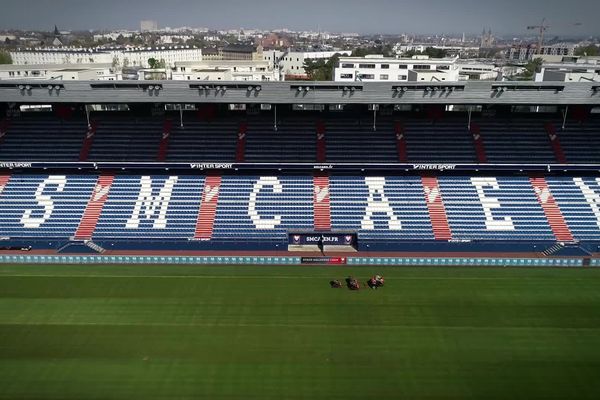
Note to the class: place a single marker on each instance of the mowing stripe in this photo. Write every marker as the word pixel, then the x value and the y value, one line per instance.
pixel 320 326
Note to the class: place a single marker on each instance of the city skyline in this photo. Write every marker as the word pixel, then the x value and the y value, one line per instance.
pixel 379 16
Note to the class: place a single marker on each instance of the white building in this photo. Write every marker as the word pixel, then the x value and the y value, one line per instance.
pixel 581 70
pixel 59 56
pixel 559 49
pixel 376 68
pixel 148 25
pixel 170 55
pixel 225 70
pixel 528 52
pixel 462 50
pixel 477 71
pixel 291 63
pixel 404 48
pixel 169 39
pixel 120 57
pixel 59 72
pixel 113 36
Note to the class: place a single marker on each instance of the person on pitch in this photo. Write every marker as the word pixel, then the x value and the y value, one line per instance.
pixel 352 283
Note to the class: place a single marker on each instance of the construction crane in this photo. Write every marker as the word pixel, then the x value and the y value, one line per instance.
pixel 542 27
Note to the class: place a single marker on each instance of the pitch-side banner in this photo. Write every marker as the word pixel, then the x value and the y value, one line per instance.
pixel 323 260
pixel 346 167
pixel 325 239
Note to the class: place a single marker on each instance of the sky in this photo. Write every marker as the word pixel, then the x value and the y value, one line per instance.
pixel 362 16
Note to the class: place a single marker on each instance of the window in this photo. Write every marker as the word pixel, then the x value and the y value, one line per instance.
pixel 385 66
pixel 366 76
pixel 384 77
pixel 401 77
pixel 346 76
pixel 370 66
pixel 345 65
pixel 421 66
pixel 444 67
pixel 403 66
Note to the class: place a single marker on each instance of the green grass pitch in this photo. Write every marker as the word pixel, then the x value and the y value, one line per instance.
pixel 206 332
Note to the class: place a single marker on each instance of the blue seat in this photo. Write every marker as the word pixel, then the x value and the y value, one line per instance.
pixel 391 208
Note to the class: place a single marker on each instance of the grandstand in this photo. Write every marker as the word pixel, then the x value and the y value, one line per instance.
pixel 454 168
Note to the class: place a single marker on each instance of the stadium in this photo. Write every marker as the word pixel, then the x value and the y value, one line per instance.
pixel 475 167
pixel 144 180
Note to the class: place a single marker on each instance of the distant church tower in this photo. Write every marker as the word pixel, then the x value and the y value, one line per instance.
pixel 487 39
pixel 57 42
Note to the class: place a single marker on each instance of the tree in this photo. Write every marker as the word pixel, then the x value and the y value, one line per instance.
pixel 490 53
pixel 591 51
pixel 313 68
pixel 364 51
pixel 153 62
pixel 121 40
pixel 137 40
pixel 197 42
pixel 5 58
pixel 116 64
pixel 429 51
pixel 321 69
pixel 531 68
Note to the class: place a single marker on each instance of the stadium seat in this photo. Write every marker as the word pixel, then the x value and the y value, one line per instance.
pixel 580 142
pixel 516 141
pixel 390 208
pixel 200 141
pixel 43 139
pixel 448 141
pixel 126 139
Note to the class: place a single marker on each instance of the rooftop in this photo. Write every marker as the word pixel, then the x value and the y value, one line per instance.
pixel 239 48
pixel 103 50
pixel 400 59
pixel 53 67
